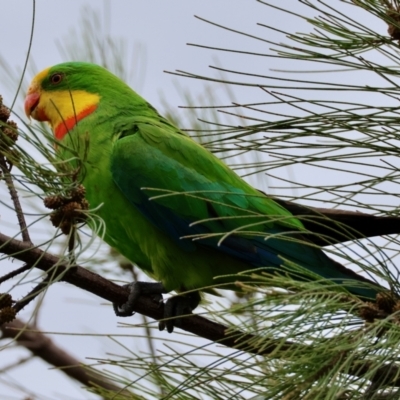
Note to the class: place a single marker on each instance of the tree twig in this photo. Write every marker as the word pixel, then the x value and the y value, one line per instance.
pixel 328 227
pixel 15 199
pixel 42 346
pixel 43 285
pixel 14 273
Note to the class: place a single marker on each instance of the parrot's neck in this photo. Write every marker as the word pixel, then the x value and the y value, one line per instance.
pixel 65 125
pixel 65 108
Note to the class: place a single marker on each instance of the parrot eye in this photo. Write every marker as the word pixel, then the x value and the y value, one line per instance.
pixel 56 78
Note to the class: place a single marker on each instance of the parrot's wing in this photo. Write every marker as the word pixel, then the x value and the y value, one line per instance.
pixel 190 194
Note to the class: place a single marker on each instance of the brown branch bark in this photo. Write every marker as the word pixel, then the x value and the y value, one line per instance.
pixel 330 227
pixel 42 346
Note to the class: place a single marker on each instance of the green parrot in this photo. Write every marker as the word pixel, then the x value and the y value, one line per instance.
pixel 169 205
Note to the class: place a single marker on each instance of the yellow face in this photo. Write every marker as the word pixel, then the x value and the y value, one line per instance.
pixel 62 109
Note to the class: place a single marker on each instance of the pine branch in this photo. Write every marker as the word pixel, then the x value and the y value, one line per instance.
pixel 200 326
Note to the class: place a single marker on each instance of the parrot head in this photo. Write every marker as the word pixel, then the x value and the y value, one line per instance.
pixel 64 94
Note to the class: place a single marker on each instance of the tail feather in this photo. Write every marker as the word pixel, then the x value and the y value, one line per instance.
pixel 281 245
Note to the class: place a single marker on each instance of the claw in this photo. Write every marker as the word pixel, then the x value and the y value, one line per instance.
pixel 174 308
pixel 177 306
pixel 136 289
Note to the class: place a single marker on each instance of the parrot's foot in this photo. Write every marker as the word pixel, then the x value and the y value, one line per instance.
pixel 177 306
pixel 136 290
pixel 174 308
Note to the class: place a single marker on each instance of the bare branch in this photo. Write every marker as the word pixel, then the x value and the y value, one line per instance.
pixel 42 346
pixel 330 227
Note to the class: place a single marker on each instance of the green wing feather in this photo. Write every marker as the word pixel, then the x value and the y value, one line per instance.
pixel 152 154
pixel 187 193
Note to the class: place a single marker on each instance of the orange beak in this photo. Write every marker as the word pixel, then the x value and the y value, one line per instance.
pixel 31 102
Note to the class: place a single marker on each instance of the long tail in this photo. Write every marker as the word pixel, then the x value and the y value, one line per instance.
pixel 280 245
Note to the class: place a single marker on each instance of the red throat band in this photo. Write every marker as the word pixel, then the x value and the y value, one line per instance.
pixel 65 126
